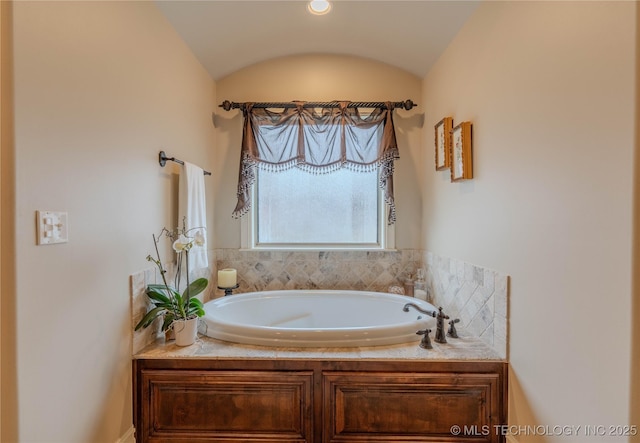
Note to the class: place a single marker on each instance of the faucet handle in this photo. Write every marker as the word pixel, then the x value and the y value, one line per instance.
pixel 452 328
pixel 425 343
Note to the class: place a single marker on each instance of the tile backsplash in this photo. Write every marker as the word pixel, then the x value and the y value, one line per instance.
pixel 140 305
pixel 476 295
pixel 349 270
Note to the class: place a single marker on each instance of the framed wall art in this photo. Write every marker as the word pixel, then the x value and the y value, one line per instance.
pixel 461 158
pixel 443 143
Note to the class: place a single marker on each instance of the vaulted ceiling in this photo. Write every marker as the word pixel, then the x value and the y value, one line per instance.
pixel 229 35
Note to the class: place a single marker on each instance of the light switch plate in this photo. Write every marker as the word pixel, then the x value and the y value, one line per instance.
pixel 51 227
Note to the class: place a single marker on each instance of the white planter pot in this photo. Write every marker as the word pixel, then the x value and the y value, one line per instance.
pixel 185 331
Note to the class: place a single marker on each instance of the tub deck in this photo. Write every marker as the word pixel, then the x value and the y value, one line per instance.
pixel 464 348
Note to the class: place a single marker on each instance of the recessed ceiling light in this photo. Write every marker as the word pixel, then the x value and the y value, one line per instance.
pixel 319 7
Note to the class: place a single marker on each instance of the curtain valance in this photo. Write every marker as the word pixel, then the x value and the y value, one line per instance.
pixel 318 141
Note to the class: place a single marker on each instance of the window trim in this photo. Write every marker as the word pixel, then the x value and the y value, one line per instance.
pixel 249 235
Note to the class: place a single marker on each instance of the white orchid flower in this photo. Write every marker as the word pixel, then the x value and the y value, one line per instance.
pixel 199 239
pixel 181 244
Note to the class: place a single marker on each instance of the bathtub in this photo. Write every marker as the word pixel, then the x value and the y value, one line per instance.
pixel 316 318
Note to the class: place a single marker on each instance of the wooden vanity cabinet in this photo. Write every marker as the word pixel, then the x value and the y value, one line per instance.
pixel 305 401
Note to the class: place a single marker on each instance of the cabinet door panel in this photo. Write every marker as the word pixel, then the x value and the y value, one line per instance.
pixel 393 407
pixel 229 406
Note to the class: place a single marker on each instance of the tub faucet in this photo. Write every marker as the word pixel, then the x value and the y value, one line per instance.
pixel 425 343
pixel 441 317
pixel 452 328
pixel 419 309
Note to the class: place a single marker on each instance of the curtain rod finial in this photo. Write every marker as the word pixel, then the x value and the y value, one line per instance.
pixel 226 105
pixel 162 158
pixel 408 105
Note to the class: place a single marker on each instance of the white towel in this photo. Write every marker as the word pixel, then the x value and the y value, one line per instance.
pixel 192 208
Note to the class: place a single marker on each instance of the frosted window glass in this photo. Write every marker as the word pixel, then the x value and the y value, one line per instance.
pixel 297 207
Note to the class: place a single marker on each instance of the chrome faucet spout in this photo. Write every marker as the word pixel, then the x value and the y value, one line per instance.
pixel 419 309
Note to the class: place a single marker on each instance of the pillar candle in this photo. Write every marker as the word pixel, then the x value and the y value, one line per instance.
pixel 227 278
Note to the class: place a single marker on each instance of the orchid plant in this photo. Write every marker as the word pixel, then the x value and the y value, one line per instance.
pixel 167 299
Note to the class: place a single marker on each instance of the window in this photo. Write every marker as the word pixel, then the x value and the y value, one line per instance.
pixel 317 179
pixel 295 209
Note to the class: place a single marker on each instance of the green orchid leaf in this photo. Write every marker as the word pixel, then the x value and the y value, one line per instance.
pixel 178 301
pixel 195 302
pixel 196 307
pixel 157 296
pixel 149 317
pixel 168 319
pixel 166 290
pixel 195 288
pixel 157 287
pixel 166 307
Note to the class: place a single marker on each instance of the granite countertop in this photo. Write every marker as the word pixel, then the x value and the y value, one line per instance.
pixel 463 348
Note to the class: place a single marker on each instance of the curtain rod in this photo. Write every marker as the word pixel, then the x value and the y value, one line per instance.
pixel 162 159
pixel 407 105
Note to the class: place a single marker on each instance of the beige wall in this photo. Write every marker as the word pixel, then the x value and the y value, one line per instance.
pixel 635 355
pixel 100 88
pixel 8 380
pixel 320 78
pixel 549 88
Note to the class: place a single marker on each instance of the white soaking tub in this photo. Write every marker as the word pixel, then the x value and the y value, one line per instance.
pixel 316 318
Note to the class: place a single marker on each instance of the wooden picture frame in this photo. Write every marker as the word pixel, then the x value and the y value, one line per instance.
pixel 443 143
pixel 461 153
